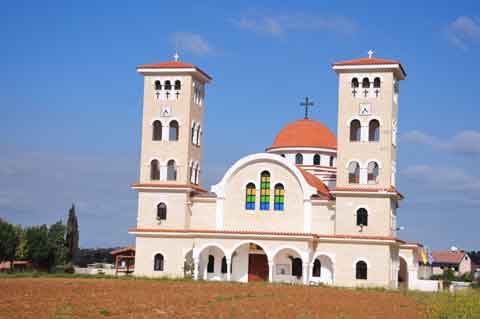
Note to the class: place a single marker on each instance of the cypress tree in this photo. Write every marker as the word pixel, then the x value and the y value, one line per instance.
pixel 72 235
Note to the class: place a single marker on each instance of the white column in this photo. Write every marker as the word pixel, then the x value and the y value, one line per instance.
pixel 364 134
pixel 196 262
pixel 219 214
pixel 165 132
pixel 307 216
pixel 270 271
pixel 305 274
pixel 229 261
pixel 310 270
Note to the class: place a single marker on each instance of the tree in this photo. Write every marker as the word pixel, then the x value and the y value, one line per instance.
pixel 72 235
pixel 37 246
pixel 8 241
pixel 21 251
pixel 56 244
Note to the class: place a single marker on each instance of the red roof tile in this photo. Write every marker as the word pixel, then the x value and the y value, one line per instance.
pixel 255 232
pixel 170 185
pixel 173 65
pixel 305 133
pixel 448 257
pixel 314 181
pixel 360 189
pixel 370 61
pixel 122 250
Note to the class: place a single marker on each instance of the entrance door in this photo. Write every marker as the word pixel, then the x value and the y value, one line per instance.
pixel 257 267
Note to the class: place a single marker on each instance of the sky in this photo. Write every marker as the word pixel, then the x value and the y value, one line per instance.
pixel 70 99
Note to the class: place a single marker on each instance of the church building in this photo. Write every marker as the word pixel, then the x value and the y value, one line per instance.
pixel 312 208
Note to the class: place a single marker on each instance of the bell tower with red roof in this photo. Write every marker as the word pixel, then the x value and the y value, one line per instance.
pixel 171 148
pixel 367 143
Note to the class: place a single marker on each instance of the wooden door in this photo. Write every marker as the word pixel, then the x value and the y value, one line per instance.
pixel 257 267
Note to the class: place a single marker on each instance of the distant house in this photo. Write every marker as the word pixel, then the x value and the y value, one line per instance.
pixel 457 260
pixel 124 260
pixel 18 265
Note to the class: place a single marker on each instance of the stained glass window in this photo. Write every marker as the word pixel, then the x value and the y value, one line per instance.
pixel 279 198
pixel 265 191
pixel 250 196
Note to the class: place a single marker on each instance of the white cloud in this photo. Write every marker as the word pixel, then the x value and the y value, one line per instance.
pixel 463 31
pixel 279 25
pixel 192 43
pixel 443 178
pixel 465 142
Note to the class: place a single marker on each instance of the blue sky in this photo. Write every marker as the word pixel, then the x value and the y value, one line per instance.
pixel 71 99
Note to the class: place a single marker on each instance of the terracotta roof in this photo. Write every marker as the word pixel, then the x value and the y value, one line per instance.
pixel 370 61
pixel 305 133
pixel 254 232
pixel 173 65
pixel 314 181
pixel 360 189
pixel 448 257
pixel 122 250
pixel 170 185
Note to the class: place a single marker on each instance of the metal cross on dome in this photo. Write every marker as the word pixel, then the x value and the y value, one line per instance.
pixel 370 53
pixel 307 103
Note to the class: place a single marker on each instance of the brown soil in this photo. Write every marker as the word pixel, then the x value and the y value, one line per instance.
pixel 64 298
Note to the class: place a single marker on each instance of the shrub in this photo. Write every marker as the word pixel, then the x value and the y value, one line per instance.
pixel 69 269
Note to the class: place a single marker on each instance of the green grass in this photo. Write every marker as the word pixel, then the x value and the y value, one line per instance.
pixel 445 305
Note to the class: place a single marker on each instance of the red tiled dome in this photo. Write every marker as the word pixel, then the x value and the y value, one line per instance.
pixel 305 133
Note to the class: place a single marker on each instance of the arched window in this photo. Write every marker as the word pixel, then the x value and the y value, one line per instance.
pixel 250 196
pixel 362 217
pixel 297 267
pixel 158 85
pixel 158 262
pixel 224 265
pixel 265 191
pixel 317 268
pixel 374 131
pixel 316 159
pixel 376 83
pixel 373 172
pixel 154 170
pixel 173 134
pixel 361 270
pixel 171 171
pixel 355 130
pixel 157 131
pixel 279 197
pixel 331 161
pixel 193 133
pixel 162 211
pixel 299 159
pixel 211 264
pixel 198 136
pixel 177 85
pixel 197 173
pixel 365 83
pixel 354 173
pixel 355 83
pixel 168 85
pixel 191 174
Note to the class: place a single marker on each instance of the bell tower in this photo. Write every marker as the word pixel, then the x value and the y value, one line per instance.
pixel 367 144
pixel 173 105
pixel 171 147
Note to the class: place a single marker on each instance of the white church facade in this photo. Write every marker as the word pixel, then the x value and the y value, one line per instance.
pixel 312 208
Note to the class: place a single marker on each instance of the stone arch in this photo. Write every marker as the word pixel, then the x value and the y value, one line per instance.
pixel 307 189
pixel 327 270
pixel 403 273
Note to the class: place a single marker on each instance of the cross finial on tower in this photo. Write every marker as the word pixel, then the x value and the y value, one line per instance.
pixel 307 103
pixel 176 57
pixel 370 53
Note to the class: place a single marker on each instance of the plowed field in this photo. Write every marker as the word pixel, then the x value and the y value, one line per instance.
pixel 47 298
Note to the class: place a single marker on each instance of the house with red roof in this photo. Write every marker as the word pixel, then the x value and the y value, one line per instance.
pixel 457 260
pixel 313 207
